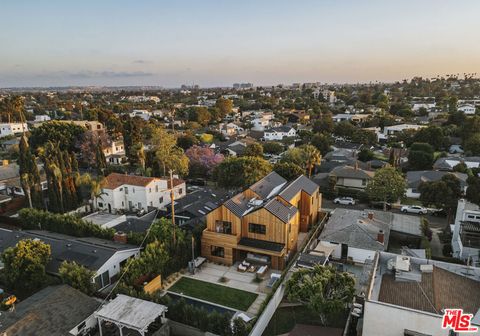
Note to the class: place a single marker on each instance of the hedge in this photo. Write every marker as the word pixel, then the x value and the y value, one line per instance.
pixel 34 219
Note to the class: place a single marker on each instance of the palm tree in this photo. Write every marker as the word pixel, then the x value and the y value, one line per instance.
pixel 96 191
pixel 311 156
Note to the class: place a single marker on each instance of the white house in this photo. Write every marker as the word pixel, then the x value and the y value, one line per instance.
pixel 428 106
pixel 389 131
pixel 230 129
pixel 104 257
pixel 115 152
pixel 7 129
pixel 133 193
pixel 467 108
pixel 144 114
pixel 350 117
pixel 43 117
pixel 466 238
pixel 278 133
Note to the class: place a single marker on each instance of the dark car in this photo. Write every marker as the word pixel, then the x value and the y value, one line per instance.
pixel 379 205
pixel 439 213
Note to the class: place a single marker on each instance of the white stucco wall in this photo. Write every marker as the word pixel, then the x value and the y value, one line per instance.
pixel 387 320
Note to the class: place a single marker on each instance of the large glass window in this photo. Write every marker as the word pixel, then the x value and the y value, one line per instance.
pixel 223 227
pixel 217 251
pixel 257 228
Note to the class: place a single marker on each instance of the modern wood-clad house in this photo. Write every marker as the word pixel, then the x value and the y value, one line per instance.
pixel 262 223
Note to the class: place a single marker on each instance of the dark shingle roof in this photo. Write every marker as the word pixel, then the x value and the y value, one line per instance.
pixel 53 311
pixel 414 178
pixel 266 185
pixel 261 244
pixel 89 252
pixel 300 183
pixel 351 172
pixel 280 210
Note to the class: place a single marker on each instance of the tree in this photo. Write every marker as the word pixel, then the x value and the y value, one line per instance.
pixel 322 142
pixel 365 137
pixel 312 157
pixel 202 160
pixel 323 289
pixel 77 276
pixel 432 135
pixel 224 106
pixel 241 172
pixel 473 191
pixel 254 149
pixel 387 185
pixel 288 170
pixel 29 174
pixel 472 144
pixel 65 134
pixel 186 141
pixel 200 115
pixel 324 124
pixel 93 142
pixel 442 194
pixel 344 129
pixel 132 135
pixel 272 147
pixel 168 154
pixel 420 156
pixel 365 155
pixel 24 264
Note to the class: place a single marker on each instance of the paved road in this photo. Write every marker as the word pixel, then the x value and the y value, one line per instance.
pixel 435 222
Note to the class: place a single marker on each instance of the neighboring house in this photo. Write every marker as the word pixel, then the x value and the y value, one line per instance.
pixel 351 177
pixel 236 148
pixel 191 210
pixel 7 129
pixel 278 133
pixel 356 118
pixel 448 163
pixel 356 235
pixel 43 117
pixel 415 178
pixel 428 106
pixel 54 310
pixel 262 223
pixel 231 129
pixel 104 257
pixel 408 295
pixel 89 125
pixel 301 117
pixel 143 114
pixel 466 233
pixel 10 144
pixel 467 108
pixel 115 152
pixel 389 131
pixel 132 193
pixel 342 155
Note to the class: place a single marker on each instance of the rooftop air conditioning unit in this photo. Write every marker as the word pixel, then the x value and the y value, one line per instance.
pixel 402 263
pixel 426 268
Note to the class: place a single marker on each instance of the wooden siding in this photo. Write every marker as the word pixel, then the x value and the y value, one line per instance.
pixel 275 228
pixel 223 214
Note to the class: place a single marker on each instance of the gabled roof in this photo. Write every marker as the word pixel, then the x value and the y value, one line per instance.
pixel 300 183
pixel 414 178
pixel 266 185
pixel 280 210
pixel 354 228
pixel 115 180
pixel 54 310
pixel 351 172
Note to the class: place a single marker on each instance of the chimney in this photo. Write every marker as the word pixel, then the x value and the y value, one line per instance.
pixel 381 237
pixel 120 237
pixel 370 215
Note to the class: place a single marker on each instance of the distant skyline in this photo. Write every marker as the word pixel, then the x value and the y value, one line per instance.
pixel 218 43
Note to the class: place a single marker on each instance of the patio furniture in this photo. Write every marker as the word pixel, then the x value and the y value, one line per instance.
pixel 199 261
pixel 241 268
pixel 273 278
pixel 262 270
pixel 246 263
pixel 252 269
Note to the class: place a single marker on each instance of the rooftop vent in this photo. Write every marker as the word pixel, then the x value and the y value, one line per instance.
pixel 402 263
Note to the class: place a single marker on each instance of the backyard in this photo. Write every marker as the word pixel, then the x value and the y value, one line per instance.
pixel 222 295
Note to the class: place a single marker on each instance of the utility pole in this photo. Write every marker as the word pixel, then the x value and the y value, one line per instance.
pixel 172 199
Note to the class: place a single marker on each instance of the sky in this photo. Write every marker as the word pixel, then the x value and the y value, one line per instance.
pixel 221 42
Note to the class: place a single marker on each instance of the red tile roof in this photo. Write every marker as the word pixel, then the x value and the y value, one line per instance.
pixel 115 180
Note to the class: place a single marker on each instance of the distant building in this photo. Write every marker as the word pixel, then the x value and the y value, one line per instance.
pixel 449 162
pixel 357 118
pixel 415 178
pixel 278 133
pixel 242 86
pixel 144 114
pixel 351 177
pixel 389 131
pixel 7 129
pixel 467 108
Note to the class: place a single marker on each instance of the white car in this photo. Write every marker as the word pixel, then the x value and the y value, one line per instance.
pixel 344 201
pixel 416 209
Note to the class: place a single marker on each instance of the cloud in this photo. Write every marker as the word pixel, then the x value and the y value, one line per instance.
pixel 141 61
pixel 95 74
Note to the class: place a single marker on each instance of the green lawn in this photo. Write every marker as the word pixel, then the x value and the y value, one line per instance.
pixel 222 295
pixel 284 320
pixel 410 201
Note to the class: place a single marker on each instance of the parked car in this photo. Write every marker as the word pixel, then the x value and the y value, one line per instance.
pixel 379 205
pixel 344 200
pixel 416 209
pixel 439 212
